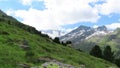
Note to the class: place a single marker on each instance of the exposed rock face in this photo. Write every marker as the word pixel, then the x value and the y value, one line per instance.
pixel 54 62
pixel 24 65
pixel 25 47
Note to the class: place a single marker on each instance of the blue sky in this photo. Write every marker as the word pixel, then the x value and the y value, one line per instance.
pixel 64 14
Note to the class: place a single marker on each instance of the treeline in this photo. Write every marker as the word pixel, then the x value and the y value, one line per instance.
pixel 57 40
pixel 106 54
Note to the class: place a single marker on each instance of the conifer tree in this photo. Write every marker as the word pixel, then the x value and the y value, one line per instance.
pixel 57 40
pixel 96 51
pixel 108 54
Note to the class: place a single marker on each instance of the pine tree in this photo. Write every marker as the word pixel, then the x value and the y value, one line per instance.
pixel 64 44
pixel 108 54
pixel 96 51
pixel 57 40
pixel 68 42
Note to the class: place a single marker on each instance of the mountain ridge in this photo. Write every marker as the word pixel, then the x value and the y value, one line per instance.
pixel 83 32
pixel 80 36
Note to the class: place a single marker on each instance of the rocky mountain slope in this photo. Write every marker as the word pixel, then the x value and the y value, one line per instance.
pixel 83 33
pixel 85 38
pixel 22 46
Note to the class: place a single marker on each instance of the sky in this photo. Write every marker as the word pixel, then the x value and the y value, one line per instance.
pixel 64 14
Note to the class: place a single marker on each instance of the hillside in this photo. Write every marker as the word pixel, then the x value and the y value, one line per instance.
pixel 23 46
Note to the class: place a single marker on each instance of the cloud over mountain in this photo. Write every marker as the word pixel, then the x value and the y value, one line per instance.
pixel 113 25
pixel 58 13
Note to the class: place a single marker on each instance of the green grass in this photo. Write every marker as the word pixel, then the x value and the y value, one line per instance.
pixel 12 54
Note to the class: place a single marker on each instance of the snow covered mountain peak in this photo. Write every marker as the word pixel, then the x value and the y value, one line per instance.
pixel 99 32
pixel 80 33
pixel 53 33
pixel 83 33
pixel 101 28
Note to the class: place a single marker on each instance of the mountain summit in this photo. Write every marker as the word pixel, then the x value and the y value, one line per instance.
pixel 83 32
pixel 102 28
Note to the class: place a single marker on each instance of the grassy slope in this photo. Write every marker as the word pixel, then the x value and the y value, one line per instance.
pixel 12 55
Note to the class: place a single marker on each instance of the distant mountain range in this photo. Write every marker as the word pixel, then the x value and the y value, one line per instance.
pixel 84 33
pixel 54 33
pixel 85 37
pixel 77 32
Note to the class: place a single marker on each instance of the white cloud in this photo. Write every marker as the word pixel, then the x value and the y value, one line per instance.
pixel 109 7
pixel 58 13
pixel 39 19
pixel 64 12
pixel 113 26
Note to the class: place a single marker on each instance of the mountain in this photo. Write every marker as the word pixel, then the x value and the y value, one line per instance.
pixel 100 32
pixel 79 36
pixel 53 33
pixel 85 38
pixel 22 46
pixel 84 32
